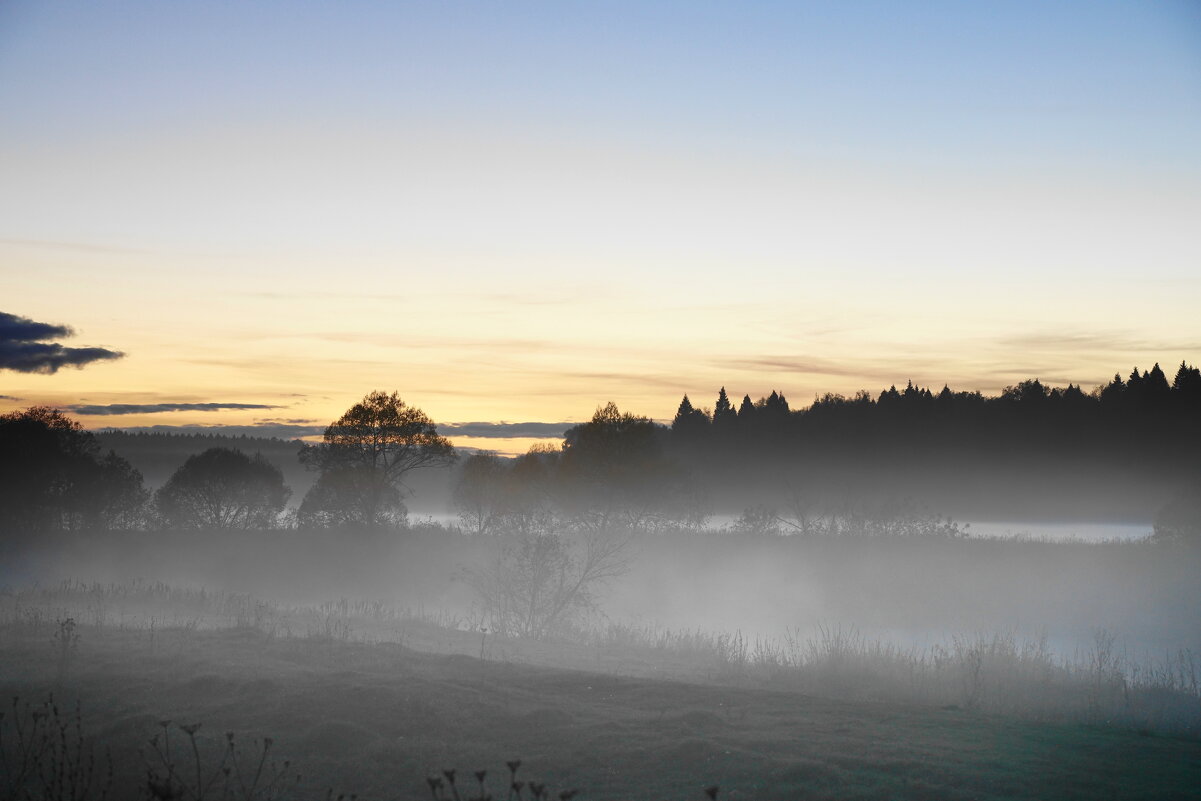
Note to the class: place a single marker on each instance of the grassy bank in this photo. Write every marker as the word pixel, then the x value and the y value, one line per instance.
pixel 377 719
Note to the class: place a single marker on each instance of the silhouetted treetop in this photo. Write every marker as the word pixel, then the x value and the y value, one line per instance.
pixel 54 477
pixel 723 410
pixel 363 458
pixel 223 488
pixel 746 410
pixel 1187 381
pixel 1141 424
pixel 688 420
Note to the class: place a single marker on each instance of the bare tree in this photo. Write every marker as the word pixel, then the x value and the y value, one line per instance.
pixel 545 581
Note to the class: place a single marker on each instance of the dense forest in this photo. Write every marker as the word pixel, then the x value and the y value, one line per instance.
pixel 1118 450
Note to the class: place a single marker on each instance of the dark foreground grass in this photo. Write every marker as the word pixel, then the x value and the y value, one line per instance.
pixel 378 720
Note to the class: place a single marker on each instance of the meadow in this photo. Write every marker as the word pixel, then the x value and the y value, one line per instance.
pixel 380 674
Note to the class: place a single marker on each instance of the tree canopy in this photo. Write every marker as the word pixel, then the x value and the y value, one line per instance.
pixel 223 488
pixel 363 458
pixel 53 476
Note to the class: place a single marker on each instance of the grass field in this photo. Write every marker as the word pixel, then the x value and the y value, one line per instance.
pixel 377 718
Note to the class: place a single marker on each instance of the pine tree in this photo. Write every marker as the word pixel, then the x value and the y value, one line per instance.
pixel 1114 390
pixel 747 410
pixel 685 415
pixel 723 410
pixel 1187 381
pixel 1155 383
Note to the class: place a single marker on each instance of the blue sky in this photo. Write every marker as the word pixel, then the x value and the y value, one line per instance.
pixel 520 211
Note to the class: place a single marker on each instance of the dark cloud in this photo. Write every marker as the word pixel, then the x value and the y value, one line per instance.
pixel 277 430
pixel 22 329
pixel 284 430
pixel 154 408
pixel 38 357
pixel 21 349
pixel 9 397
pixel 500 430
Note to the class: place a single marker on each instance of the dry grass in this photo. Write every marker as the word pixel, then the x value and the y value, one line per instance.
pixel 997 672
pixel 382 719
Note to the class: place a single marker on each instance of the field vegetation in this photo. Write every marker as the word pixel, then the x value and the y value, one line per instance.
pixel 586 618
pixel 364 697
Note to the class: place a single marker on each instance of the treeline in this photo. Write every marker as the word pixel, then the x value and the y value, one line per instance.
pixel 55 476
pixel 1142 419
pixel 1131 447
pixel 1140 430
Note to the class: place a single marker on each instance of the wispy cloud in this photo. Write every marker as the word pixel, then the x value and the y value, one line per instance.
pixel 86 247
pixel 22 348
pixel 629 380
pixel 1106 342
pixel 154 408
pixel 317 295
pixel 501 430
pixel 788 364
pixel 9 397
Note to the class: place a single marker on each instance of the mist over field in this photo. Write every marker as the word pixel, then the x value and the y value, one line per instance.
pixel 616 558
pixel 618 401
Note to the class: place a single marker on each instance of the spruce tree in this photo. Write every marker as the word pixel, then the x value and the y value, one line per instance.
pixel 1187 381
pixel 684 415
pixel 723 410
pixel 747 410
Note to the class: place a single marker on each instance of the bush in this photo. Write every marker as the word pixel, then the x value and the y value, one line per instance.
pixel 223 488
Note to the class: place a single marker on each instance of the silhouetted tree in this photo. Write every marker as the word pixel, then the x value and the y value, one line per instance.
pixel 223 488
pixel 683 414
pixel 613 470
pixel 481 494
pixel 723 410
pixel 113 496
pixel 913 441
pixel 1112 393
pixel 1155 385
pixel 363 458
pixel 1187 381
pixel 1030 391
pixel 689 423
pixel 530 491
pixel 53 476
pixel 351 495
pixel 746 410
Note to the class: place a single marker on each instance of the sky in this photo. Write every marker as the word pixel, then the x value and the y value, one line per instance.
pixel 517 212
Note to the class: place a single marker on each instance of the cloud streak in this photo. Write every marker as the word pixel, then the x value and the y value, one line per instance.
pixel 155 408
pixel 1102 342
pixel 284 429
pixel 23 349
pixel 503 430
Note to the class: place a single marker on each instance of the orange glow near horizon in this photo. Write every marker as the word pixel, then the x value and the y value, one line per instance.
pixel 583 226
